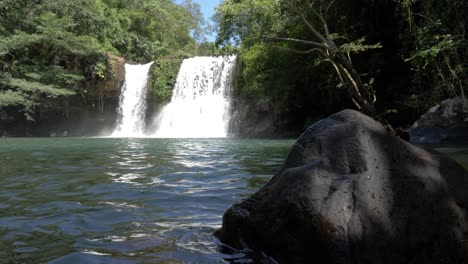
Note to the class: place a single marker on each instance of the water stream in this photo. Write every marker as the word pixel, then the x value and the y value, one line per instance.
pixel 132 105
pixel 200 104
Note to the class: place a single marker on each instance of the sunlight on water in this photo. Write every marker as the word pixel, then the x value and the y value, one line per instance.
pixel 133 200
pixel 112 200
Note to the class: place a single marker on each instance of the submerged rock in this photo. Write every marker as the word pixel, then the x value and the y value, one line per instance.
pixel 349 192
pixel 447 122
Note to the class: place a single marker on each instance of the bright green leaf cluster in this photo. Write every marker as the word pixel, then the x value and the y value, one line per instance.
pixel 50 50
pixel 358 46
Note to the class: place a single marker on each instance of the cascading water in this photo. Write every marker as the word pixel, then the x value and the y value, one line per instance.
pixel 132 105
pixel 200 104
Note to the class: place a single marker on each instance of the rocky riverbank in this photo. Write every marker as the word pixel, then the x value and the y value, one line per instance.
pixel 445 122
pixel 349 192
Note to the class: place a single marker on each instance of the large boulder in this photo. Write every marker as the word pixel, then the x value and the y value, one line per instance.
pixel 446 122
pixel 349 192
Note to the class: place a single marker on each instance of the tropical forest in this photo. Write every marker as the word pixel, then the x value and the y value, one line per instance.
pixel 233 131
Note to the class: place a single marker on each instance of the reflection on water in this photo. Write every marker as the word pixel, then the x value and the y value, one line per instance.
pixel 128 200
pixel 124 200
pixel 131 158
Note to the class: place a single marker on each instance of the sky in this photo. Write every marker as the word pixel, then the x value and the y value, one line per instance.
pixel 208 8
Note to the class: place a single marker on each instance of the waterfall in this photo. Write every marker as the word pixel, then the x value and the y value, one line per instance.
pixel 200 103
pixel 132 102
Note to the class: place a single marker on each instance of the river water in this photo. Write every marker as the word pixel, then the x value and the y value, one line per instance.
pixel 94 200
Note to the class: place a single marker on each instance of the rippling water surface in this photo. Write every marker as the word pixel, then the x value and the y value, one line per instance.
pixel 90 200
pixel 94 200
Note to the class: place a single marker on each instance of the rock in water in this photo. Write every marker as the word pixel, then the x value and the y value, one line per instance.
pixel 447 122
pixel 349 192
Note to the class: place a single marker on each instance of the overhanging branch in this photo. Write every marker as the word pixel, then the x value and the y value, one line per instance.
pixel 306 21
pixel 307 42
pixel 301 51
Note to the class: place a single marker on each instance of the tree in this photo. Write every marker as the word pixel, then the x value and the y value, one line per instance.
pixel 51 49
pixel 339 56
pixel 303 26
pixel 438 33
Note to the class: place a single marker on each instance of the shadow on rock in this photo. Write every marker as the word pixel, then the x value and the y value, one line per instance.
pixel 349 192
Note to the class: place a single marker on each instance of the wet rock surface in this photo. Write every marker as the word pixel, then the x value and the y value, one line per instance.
pixel 349 192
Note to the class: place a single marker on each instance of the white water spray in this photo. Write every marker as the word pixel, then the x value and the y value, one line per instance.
pixel 132 105
pixel 200 103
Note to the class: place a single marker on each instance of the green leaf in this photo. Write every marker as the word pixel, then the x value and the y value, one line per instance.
pixel 36 87
pixel 358 46
pixel 8 98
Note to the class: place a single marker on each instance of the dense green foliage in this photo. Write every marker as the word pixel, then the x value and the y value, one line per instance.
pixel 407 55
pixel 164 76
pixel 390 59
pixel 50 48
pixel 437 31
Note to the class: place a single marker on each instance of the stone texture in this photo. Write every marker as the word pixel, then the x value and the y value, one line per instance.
pixel 258 118
pixel 113 84
pixel 349 192
pixel 446 122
